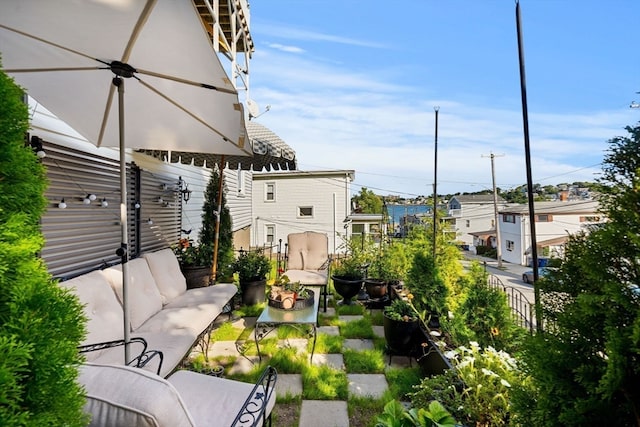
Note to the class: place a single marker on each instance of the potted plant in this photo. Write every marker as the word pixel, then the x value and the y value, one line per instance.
pixel 388 268
pixel 286 293
pixel 400 322
pixel 252 268
pixel 347 277
pixel 195 262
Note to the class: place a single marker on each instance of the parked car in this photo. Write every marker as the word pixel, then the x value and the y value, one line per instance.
pixel 527 276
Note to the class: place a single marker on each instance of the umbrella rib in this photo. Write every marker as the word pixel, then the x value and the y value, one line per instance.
pixel 31 36
pixel 38 70
pixel 185 81
pixel 154 90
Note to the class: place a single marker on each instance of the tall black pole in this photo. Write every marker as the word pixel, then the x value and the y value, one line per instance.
pixel 532 217
pixel 435 188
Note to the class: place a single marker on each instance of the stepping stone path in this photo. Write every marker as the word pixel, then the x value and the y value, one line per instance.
pixel 320 413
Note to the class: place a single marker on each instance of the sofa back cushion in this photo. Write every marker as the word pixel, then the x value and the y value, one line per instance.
pixel 144 297
pixel 104 312
pixel 125 396
pixel 166 271
pixel 307 251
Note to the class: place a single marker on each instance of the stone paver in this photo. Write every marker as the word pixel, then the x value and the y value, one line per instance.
pixel 372 385
pixel 335 361
pixel 300 344
pixel 244 365
pixel 358 344
pixel 329 330
pixel 378 331
pixel 324 413
pixel 350 317
pixel 329 313
pixel 289 384
pixel 223 348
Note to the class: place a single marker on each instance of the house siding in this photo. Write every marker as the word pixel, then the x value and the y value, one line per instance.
pixel 327 193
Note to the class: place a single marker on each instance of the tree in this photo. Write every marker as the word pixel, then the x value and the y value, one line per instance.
pixel 41 324
pixel 368 202
pixel 207 233
pixel 585 367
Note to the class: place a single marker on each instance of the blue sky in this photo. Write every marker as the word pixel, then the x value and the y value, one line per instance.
pixel 352 84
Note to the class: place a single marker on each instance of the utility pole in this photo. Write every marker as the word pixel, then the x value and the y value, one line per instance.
pixel 435 188
pixel 495 210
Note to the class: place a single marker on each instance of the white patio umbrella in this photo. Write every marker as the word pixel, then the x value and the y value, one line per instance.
pixel 73 56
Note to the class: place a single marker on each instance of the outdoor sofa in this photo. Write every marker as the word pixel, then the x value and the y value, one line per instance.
pixel 166 321
pixel 167 316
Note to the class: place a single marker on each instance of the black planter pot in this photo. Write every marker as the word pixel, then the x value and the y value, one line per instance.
pixel 253 292
pixel 376 288
pixel 431 360
pixel 346 287
pixel 197 276
pixel 399 336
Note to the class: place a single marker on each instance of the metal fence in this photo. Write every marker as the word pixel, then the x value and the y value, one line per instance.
pixel 521 308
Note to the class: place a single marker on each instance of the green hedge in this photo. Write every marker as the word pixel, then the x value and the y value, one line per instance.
pixel 40 324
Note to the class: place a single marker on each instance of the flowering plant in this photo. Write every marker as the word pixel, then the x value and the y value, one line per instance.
pixel 283 283
pixel 477 391
pixel 190 255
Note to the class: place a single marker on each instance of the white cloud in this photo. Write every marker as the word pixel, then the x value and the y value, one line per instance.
pixel 382 125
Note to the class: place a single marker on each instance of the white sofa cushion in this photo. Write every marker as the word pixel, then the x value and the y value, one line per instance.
pixel 166 271
pixel 124 396
pixel 103 311
pixel 219 294
pixel 144 297
pixel 214 401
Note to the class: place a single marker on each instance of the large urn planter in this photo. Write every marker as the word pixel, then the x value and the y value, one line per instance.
pixel 253 292
pixel 399 335
pixel 197 276
pixel 347 287
pixel 376 288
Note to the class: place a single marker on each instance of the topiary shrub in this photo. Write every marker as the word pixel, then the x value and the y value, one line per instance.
pixel 41 325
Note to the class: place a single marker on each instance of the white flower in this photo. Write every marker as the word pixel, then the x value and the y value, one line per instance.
pixel 505 383
pixel 450 315
pixel 474 344
pixel 450 354
pixel 489 372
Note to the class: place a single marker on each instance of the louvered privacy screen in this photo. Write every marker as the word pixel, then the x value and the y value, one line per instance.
pixel 83 236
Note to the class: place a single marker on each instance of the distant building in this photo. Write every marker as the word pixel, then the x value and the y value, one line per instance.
pixel 470 219
pixel 555 222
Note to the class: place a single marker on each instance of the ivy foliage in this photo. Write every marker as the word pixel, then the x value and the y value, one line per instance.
pixel 585 367
pixel 41 324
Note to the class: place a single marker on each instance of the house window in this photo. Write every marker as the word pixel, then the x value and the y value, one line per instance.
pixel 468 223
pixel 305 211
pixel 270 192
pixel 242 190
pixel 270 233
pixel 510 245
pixel 544 218
pixel 589 219
pixel 509 218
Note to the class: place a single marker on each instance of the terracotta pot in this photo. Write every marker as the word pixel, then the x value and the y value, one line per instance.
pixel 376 288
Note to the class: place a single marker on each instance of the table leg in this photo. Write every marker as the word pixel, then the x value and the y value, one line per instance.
pixel 261 331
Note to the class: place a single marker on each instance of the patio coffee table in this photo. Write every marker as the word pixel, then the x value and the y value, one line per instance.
pixel 271 318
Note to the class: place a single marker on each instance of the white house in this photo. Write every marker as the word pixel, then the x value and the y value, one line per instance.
pixel 293 201
pixel 554 222
pixel 472 215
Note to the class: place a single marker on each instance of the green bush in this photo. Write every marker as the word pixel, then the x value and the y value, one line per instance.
pixel 41 325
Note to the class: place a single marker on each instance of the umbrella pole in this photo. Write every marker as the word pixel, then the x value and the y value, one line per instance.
pixel 123 251
pixel 214 267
